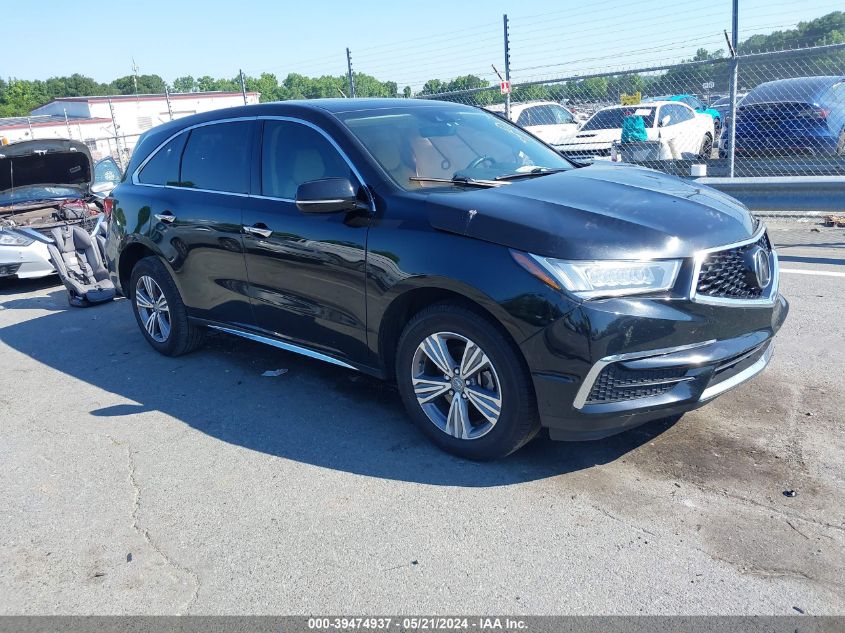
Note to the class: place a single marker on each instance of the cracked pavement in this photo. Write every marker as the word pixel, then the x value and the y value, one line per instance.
pixel 134 483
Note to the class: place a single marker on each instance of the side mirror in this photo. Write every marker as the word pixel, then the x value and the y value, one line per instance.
pixel 666 120
pixel 327 195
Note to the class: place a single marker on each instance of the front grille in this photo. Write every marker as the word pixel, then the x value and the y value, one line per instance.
pixel 615 383
pixel 580 154
pixel 724 274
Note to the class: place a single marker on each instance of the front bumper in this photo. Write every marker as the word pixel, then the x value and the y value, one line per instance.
pixel 645 359
pixel 25 262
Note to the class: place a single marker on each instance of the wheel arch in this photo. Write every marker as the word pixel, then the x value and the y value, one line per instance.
pixel 412 300
pixel 130 255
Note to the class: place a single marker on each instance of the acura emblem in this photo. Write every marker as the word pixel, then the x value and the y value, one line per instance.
pixel 757 264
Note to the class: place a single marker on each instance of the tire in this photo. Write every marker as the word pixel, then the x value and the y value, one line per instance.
pixel 149 281
pixel 706 150
pixel 505 375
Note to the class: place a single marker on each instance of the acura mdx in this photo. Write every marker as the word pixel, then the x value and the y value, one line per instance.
pixel 502 287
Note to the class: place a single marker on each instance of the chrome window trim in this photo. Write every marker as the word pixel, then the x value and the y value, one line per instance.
pixel 290 119
pixel 288 347
pixel 737 379
pixel 184 130
pixel 596 369
pixel 766 300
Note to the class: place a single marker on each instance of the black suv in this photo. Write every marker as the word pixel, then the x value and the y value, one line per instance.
pixel 502 287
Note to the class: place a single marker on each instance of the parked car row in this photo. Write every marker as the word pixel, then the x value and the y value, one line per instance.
pixel 800 116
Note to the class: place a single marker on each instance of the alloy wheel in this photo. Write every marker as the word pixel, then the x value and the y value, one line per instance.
pixel 456 385
pixel 152 307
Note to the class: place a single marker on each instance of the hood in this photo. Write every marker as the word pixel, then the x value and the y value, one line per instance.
pixel 604 211
pixel 45 162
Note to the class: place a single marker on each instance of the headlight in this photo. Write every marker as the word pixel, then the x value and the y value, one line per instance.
pixel 592 279
pixel 9 238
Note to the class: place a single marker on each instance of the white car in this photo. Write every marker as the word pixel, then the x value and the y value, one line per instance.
pixel 676 129
pixel 44 184
pixel 547 120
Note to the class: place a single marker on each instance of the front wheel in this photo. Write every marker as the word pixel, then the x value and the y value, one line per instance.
pixel 159 309
pixel 465 383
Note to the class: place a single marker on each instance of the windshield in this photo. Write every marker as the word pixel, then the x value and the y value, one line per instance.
pixel 611 118
pixel 37 192
pixel 447 143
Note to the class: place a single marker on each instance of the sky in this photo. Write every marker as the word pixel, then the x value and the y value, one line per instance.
pixel 406 42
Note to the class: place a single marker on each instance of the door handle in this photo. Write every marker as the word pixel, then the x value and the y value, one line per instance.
pixel 167 216
pixel 259 229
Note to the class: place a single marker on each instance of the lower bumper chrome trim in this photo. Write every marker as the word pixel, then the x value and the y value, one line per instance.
pixel 595 370
pixel 745 374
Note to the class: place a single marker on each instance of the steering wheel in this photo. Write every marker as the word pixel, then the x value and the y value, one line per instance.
pixel 477 162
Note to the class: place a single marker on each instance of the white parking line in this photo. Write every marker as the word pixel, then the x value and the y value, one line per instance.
pixel 821 273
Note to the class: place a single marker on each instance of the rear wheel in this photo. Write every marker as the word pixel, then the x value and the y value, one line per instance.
pixel 465 384
pixel 159 309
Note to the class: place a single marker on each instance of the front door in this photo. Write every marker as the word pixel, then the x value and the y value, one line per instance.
pixel 306 270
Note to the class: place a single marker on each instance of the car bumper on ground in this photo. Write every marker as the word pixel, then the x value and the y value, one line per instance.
pixel 25 262
pixel 646 360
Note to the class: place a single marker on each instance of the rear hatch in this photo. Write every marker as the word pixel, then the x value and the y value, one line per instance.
pixel 785 125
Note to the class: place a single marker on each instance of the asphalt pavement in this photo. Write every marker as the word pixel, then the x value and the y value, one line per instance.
pixel 135 483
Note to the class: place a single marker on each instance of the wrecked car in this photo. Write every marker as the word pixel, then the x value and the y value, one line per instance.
pixel 44 184
pixel 51 219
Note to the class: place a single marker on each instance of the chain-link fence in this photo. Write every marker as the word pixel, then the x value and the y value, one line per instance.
pixel 789 112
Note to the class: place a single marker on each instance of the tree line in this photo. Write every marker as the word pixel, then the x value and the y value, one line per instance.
pixel 19 96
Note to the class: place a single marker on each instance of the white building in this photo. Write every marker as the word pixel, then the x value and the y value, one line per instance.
pixel 93 119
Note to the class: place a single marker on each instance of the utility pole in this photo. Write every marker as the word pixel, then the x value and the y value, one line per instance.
pixel 349 73
pixel 507 67
pixel 243 85
pixel 167 97
pixel 67 123
pixel 116 139
pixel 733 44
pixel 135 75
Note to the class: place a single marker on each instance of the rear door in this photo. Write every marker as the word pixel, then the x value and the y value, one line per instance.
pixel 197 219
pixel 306 270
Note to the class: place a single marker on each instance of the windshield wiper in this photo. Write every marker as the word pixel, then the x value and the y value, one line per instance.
pixel 537 171
pixel 458 180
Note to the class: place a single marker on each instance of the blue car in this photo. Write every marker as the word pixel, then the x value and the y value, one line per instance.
pixel 793 116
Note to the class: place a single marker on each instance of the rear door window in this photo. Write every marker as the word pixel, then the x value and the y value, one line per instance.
pixel 163 167
pixel 217 157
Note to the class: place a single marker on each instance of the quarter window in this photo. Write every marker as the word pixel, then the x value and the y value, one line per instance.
pixel 163 167
pixel 217 157
pixel 292 154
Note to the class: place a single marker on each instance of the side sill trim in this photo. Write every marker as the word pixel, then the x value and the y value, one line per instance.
pixel 745 374
pixel 288 347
